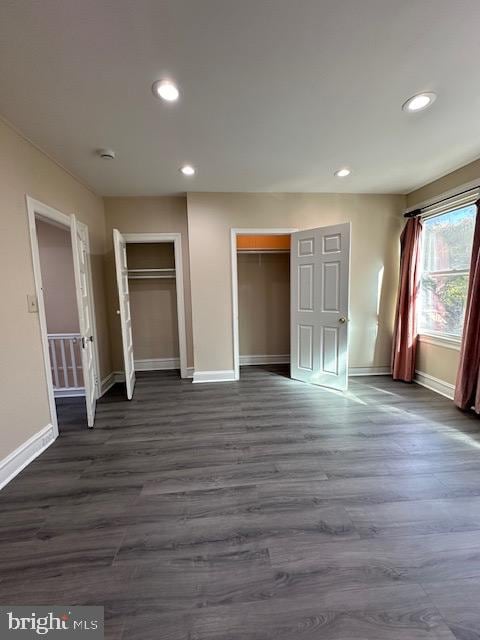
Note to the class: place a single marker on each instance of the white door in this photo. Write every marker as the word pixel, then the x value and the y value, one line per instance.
pixel 85 314
pixel 121 267
pixel 320 263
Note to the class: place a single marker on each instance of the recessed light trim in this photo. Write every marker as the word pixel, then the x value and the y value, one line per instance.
pixel 187 170
pixel 166 90
pixel 419 102
pixel 342 173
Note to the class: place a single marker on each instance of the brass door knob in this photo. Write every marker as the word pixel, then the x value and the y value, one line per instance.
pixel 342 320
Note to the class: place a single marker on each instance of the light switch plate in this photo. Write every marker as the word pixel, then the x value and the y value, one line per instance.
pixel 32 304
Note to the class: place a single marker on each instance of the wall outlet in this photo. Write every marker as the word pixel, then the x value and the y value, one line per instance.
pixel 32 304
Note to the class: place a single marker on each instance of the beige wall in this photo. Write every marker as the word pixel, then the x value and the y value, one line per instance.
pixel 264 303
pixel 145 215
pixel 58 280
pixel 376 224
pixel 25 170
pixel 434 360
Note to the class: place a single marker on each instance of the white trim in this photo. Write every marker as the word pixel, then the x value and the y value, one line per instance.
pixel 18 459
pixel 435 384
pixel 440 341
pixel 107 383
pixel 253 360
pixel 369 371
pixel 96 353
pixel 176 238
pixel 157 364
pixel 227 375
pixel 69 392
pixel 234 273
pixel 37 209
pixel 119 376
pixel 445 195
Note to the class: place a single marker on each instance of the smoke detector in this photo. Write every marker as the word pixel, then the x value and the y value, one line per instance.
pixel 106 154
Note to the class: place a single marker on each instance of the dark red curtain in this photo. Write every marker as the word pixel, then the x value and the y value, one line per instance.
pixel 467 387
pixel 405 329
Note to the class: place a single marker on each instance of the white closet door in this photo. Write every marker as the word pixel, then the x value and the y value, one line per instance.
pixel 85 314
pixel 120 247
pixel 320 263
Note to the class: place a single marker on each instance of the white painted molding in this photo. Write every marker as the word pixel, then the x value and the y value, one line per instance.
pixel 107 383
pixel 369 371
pixel 69 392
pixel 435 384
pixel 190 372
pixel 157 364
pixel 259 359
pixel 440 341
pixel 227 375
pixel 25 453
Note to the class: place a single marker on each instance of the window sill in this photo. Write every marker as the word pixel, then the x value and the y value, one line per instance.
pixel 440 341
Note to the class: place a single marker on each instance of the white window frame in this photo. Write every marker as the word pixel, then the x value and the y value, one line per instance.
pixel 446 205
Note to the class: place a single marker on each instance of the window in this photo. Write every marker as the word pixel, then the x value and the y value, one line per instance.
pixel 446 248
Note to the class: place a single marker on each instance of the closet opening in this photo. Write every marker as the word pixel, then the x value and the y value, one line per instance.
pixel 151 305
pixel 263 279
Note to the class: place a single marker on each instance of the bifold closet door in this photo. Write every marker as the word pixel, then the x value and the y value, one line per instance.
pixel 120 248
pixel 79 234
pixel 320 264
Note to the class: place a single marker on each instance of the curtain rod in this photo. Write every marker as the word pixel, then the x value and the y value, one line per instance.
pixel 417 212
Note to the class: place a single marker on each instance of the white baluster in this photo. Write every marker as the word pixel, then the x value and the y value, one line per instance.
pixel 64 362
pixel 74 362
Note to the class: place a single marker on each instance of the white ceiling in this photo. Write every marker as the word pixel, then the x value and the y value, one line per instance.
pixel 275 94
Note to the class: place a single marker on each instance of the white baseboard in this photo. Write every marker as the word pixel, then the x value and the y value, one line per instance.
pixel 227 375
pixel 24 454
pixel 119 376
pixel 71 392
pixel 157 364
pixel 435 384
pixel 369 371
pixel 252 360
pixel 107 383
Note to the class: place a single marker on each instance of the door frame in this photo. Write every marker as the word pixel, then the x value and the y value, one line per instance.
pixel 234 232
pixel 39 210
pixel 176 238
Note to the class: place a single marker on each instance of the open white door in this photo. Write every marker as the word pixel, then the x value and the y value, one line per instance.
pixel 85 314
pixel 320 264
pixel 120 247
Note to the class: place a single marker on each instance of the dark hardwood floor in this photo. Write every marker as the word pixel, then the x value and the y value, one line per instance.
pixel 259 510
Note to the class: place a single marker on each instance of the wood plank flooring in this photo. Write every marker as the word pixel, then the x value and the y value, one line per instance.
pixel 259 510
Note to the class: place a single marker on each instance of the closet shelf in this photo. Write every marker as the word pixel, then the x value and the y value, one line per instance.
pixel 136 274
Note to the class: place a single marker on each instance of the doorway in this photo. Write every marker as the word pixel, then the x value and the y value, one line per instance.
pixel 319 301
pixel 64 302
pixel 151 309
pixel 263 265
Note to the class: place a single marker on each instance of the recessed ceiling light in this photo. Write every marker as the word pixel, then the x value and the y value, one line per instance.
pixel 419 102
pixel 187 170
pixel 342 173
pixel 166 90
